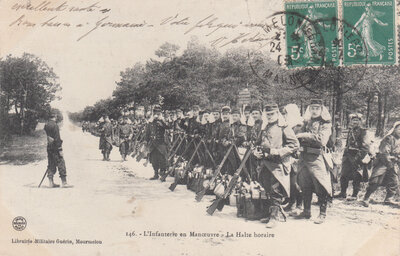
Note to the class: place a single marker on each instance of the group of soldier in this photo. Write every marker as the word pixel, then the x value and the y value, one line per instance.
pixel 266 157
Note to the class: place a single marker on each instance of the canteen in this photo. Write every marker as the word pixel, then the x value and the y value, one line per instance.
pixel 209 172
pixel 232 199
pixel 219 190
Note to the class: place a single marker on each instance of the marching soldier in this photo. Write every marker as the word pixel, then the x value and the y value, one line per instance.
pixel 106 131
pixel 155 137
pixel 125 135
pixel 278 142
pixel 386 168
pixel 354 166
pixel 314 175
pixel 55 152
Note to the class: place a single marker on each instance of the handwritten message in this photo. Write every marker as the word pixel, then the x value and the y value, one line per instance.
pixel 94 17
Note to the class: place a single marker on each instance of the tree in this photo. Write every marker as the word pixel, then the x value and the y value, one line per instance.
pixel 29 85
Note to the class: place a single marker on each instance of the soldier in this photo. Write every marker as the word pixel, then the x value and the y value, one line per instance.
pixel 238 129
pixel 252 139
pixel 294 120
pixel 106 131
pixel 246 113
pixel 357 149
pixel 386 168
pixel 125 132
pixel 278 142
pixel 314 175
pixel 223 140
pixel 155 137
pixel 54 152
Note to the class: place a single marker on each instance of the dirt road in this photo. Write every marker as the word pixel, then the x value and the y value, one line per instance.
pixel 112 200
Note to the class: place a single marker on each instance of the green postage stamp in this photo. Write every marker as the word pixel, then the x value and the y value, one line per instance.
pixel 312 34
pixel 374 22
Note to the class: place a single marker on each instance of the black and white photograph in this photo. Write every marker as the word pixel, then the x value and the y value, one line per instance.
pixel 199 127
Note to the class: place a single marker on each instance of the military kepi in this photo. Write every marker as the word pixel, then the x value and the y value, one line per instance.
pixel 316 102
pixel 225 109
pixel 157 108
pixel 271 108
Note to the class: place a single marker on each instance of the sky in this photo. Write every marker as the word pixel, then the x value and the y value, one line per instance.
pixel 89 68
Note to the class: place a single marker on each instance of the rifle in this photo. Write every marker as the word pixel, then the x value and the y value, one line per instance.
pixel 200 194
pixel 175 143
pixel 163 177
pixel 173 185
pixel 47 170
pixel 219 202
pixel 135 140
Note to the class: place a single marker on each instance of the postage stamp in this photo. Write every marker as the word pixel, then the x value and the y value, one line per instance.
pixel 374 21
pixel 312 33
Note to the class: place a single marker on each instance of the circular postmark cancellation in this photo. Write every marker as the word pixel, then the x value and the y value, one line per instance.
pixel 19 223
pixel 311 44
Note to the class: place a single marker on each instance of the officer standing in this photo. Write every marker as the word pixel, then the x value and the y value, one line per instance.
pixel 106 131
pixel 155 137
pixel 54 152
pixel 278 142
pixel 314 175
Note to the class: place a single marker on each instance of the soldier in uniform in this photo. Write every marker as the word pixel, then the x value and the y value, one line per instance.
pixel 223 141
pixel 155 137
pixel 106 132
pixel 278 142
pixel 246 113
pixel 253 139
pixel 357 149
pixel 54 152
pixel 125 132
pixel 238 129
pixel 314 175
pixel 386 168
pixel 294 120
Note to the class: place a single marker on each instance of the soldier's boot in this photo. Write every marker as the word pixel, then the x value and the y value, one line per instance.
pixel 354 196
pixel 389 199
pixel 368 193
pixel 124 157
pixel 290 205
pixel 322 213
pixel 343 189
pixel 306 213
pixel 273 218
pixel 104 156
pixel 52 184
pixel 64 182
pixel 108 156
pixel 155 177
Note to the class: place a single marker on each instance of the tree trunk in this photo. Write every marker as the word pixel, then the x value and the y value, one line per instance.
pixel 22 112
pixel 385 113
pixel 367 121
pixel 379 131
pixel 338 114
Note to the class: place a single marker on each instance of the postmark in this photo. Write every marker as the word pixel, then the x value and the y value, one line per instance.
pixel 375 22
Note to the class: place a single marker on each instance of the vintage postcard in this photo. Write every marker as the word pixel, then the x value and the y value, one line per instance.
pixel 199 127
